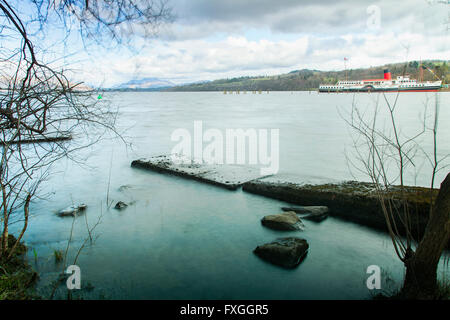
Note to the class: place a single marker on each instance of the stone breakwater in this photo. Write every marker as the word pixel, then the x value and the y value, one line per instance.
pixel 227 176
pixel 351 200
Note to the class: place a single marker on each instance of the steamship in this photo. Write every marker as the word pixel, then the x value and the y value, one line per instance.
pixel 387 84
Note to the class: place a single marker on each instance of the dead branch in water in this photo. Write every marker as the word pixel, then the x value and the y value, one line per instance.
pixel 37 140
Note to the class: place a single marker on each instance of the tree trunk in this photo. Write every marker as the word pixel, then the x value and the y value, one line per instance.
pixel 421 268
pixel 26 214
pixel 4 238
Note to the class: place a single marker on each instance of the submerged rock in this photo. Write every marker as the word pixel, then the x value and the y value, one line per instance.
pixel 285 252
pixel 72 210
pixel 313 213
pixel 316 210
pixel 120 205
pixel 283 221
pixel 125 187
pixel 316 217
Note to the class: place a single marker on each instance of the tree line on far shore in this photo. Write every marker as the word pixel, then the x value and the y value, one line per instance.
pixel 306 79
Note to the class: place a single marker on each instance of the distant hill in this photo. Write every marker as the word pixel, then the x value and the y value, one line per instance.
pixel 145 84
pixel 306 79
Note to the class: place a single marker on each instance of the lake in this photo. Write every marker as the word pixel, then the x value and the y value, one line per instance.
pixel 181 239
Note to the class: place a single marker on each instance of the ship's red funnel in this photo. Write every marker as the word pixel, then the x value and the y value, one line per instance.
pixel 387 75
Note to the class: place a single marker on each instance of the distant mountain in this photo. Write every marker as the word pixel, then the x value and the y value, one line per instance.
pixel 145 84
pixel 306 79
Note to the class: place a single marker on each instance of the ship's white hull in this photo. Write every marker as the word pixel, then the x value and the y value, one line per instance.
pixel 401 84
pixel 382 89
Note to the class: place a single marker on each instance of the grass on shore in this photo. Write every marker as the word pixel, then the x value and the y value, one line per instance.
pixel 16 275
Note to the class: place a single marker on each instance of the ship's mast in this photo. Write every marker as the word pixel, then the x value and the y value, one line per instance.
pixel 345 68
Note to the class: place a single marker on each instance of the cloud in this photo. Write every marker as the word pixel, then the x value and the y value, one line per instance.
pixel 231 56
pixel 194 60
pixel 219 39
pixel 294 16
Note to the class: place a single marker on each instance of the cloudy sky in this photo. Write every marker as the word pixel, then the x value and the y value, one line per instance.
pixel 212 39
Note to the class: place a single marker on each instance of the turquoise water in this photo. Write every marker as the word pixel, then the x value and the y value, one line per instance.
pixel 185 240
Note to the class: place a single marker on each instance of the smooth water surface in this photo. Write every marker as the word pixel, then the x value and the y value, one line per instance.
pixel 181 239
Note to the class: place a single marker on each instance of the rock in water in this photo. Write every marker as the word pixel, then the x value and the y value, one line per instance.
pixel 120 205
pixel 316 217
pixel 316 210
pixel 72 210
pixel 283 221
pixel 313 213
pixel 285 252
pixel 125 187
